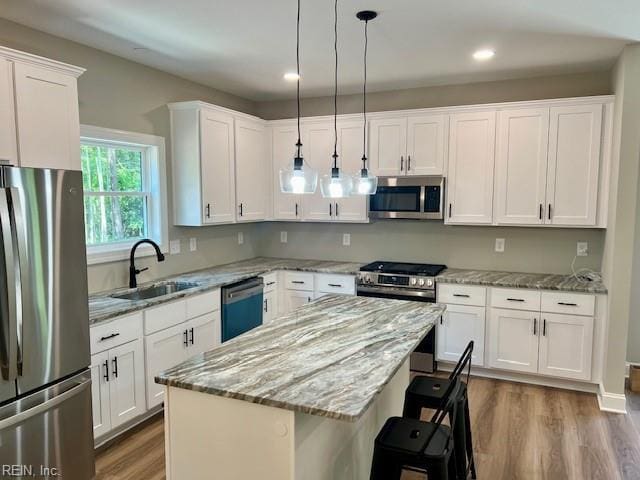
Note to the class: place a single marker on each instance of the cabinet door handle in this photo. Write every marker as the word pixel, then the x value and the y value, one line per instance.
pixel 115 367
pixel 516 299
pixel 186 338
pixel 308 299
pixel 441 319
pixel 298 282
pixel 296 209
pixel 540 214
pixel 462 295
pixel 108 337
pixel 106 370
pixel 408 162
pixel 535 326
pixel 240 209
pixel 449 210
pixel 549 212
pixel 566 304
pixel 192 336
pixel 208 210
pixel 266 305
pixel 331 209
pixel 337 285
pixel 544 327
pixel 337 214
pixel 401 163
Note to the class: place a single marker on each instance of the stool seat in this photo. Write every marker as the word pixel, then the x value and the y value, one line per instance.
pixel 431 390
pixel 409 436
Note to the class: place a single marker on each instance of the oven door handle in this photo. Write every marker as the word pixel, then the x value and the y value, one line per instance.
pixel 400 292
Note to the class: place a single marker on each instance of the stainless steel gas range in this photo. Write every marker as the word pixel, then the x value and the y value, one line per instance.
pixel 404 281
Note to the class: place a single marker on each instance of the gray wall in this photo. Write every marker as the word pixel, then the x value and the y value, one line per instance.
pixel 534 88
pixel 527 249
pixel 117 93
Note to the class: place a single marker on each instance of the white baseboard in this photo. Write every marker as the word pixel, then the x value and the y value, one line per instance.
pixel 612 402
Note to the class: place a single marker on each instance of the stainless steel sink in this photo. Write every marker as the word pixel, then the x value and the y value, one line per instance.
pixel 145 293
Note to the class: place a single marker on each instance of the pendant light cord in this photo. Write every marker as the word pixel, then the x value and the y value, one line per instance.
pixel 335 92
pixel 364 97
pixel 299 144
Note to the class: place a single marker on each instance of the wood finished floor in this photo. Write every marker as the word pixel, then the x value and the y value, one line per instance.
pixel 520 432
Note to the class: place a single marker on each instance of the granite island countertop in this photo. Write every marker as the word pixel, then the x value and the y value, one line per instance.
pixel 331 357
pixel 103 307
pixel 534 281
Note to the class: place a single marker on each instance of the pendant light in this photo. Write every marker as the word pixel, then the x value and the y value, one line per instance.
pixel 336 184
pixel 299 178
pixel 364 182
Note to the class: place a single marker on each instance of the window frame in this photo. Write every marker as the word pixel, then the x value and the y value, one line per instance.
pixel 153 185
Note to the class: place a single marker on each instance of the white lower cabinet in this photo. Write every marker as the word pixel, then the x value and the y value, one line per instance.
pixel 566 346
pixel 458 326
pixel 204 333
pixel 296 298
pixel 100 394
pixel 513 340
pixel 269 306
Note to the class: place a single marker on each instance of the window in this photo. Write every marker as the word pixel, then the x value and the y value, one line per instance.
pixel 123 180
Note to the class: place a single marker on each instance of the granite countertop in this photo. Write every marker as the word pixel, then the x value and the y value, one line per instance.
pixel 331 357
pixel 539 281
pixel 103 306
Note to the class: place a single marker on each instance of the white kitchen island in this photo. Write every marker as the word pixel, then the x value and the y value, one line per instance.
pixel 300 399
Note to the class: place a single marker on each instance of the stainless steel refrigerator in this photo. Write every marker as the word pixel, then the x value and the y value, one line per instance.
pixel 45 385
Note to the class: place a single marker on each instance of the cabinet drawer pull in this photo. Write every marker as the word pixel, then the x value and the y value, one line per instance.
pixel 535 326
pixel 567 304
pixel 462 295
pixel 298 282
pixel 106 370
pixel 270 283
pixel 115 367
pixel 516 299
pixel 337 285
pixel 108 337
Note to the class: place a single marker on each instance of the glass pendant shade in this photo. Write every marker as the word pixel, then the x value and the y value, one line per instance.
pixel 336 184
pixel 364 183
pixel 298 179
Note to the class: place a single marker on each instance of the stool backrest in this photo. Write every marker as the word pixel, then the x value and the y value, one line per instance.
pixel 465 361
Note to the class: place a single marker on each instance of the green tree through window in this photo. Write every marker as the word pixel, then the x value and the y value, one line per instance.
pixel 115 201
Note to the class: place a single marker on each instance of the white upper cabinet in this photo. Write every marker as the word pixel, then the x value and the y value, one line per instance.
pixel 8 146
pixel 217 166
pixel 387 146
pixel 318 148
pixel 253 171
pixel 470 173
pixel 412 145
pixel 426 145
pixel 286 206
pixel 354 208
pixel 521 166
pixel 574 159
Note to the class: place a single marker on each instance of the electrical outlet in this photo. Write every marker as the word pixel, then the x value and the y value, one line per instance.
pixel 240 238
pixel 283 237
pixel 346 239
pixel 582 249
pixel 193 244
pixel 500 245
pixel 174 247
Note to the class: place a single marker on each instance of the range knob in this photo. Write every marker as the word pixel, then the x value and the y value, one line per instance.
pixel 421 282
pixel 413 281
pixel 429 282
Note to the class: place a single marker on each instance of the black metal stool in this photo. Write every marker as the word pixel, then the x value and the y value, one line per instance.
pixel 407 443
pixel 431 392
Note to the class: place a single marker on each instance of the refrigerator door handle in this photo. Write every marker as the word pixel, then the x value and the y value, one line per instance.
pixel 44 406
pixel 9 333
pixel 18 227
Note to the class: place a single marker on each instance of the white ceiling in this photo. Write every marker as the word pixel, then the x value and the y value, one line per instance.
pixel 245 46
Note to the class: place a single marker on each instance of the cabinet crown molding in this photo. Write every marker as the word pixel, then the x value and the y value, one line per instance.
pixel 42 62
pixel 194 104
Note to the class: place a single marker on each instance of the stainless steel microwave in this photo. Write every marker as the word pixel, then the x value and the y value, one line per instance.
pixel 418 198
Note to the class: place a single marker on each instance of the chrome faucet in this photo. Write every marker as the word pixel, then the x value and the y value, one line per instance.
pixel 132 267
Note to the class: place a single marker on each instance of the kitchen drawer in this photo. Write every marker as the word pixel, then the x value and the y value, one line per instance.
pixel 331 283
pixel 270 282
pixel 462 294
pixel 298 281
pixel 516 299
pixel 569 303
pixel 116 332
pixel 200 304
pixel 164 316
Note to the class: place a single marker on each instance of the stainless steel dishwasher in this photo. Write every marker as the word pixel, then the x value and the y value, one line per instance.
pixel 241 307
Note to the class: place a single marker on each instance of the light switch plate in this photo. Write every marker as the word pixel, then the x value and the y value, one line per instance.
pixel 283 237
pixel 193 244
pixel 500 245
pixel 174 247
pixel 582 249
pixel 346 239
pixel 240 238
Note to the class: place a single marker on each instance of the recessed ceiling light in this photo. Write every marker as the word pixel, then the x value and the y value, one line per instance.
pixel 291 76
pixel 484 54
